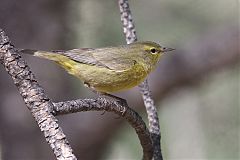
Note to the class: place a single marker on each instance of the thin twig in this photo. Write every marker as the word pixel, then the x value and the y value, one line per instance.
pixel 122 110
pixel 35 99
pixel 130 35
pixel 153 120
pixel 127 21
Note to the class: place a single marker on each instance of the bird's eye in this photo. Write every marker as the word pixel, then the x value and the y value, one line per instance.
pixel 153 50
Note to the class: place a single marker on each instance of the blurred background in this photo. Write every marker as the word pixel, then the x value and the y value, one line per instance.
pixel 196 87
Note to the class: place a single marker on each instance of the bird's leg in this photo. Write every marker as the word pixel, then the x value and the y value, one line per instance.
pixel 119 100
pixel 93 90
pixel 104 94
pixel 111 97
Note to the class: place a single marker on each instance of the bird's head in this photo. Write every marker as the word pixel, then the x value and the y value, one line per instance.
pixel 154 48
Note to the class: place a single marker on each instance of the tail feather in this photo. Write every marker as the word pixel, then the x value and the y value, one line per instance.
pixel 54 56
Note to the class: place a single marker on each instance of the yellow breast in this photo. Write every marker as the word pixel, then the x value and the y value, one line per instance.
pixel 106 80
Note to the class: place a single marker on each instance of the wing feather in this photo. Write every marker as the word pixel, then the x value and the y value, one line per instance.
pixel 102 57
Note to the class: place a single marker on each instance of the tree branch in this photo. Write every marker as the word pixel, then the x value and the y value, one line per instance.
pixel 130 35
pixel 35 99
pixel 102 104
pixel 153 120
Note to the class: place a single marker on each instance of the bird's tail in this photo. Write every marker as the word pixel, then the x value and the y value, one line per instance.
pixel 54 56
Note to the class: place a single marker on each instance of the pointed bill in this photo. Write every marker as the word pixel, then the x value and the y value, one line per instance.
pixel 165 49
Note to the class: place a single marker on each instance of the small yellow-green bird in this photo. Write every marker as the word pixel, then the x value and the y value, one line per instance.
pixel 109 69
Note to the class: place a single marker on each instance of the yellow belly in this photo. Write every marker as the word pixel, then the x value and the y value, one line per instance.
pixel 106 80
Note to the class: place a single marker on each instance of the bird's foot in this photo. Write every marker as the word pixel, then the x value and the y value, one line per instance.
pixel 122 102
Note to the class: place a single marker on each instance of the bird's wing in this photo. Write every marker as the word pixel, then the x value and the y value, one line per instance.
pixel 103 57
pixel 82 56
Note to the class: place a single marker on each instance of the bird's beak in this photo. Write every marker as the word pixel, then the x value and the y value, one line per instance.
pixel 165 49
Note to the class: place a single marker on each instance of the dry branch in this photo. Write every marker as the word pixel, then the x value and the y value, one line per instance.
pixel 35 99
pixel 102 104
